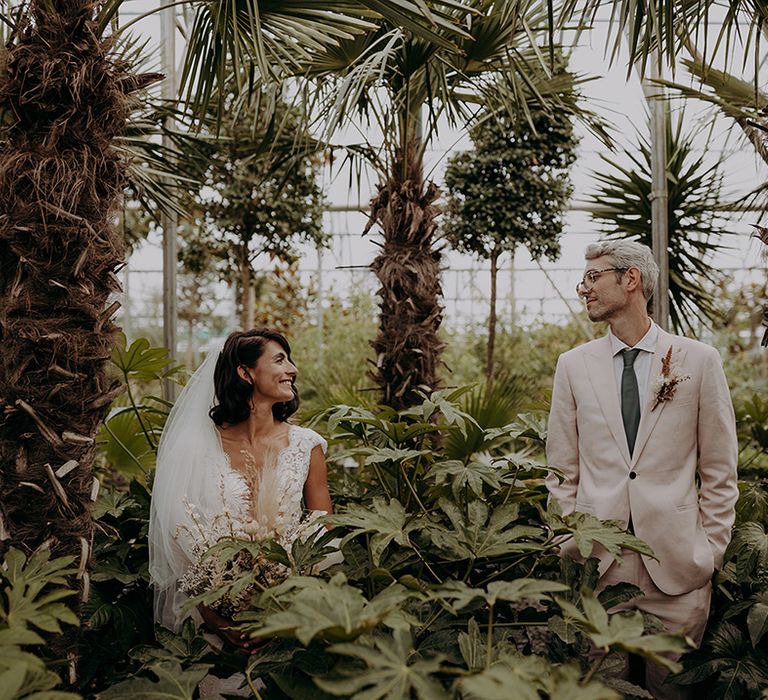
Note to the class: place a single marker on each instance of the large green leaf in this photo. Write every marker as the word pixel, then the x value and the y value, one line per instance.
pixel 526 678
pixel 393 670
pixel 172 683
pixel 330 610
pixel 458 594
pixel 27 602
pixel 727 663
pixel 622 631
pixel 480 531
pixel 142 362
pixel 188 646
pixel 757 620
pixel 467 475
pixel 749 549
pixel 588 531
pixel 386 522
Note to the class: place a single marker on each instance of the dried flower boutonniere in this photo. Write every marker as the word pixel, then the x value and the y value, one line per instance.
pixel 665 386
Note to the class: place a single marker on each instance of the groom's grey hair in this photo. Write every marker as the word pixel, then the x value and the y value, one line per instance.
pixel 628 254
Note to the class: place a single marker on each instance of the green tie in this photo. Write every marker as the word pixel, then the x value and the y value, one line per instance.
pixel 630 397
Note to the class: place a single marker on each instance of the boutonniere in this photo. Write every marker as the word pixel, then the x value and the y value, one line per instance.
pixel 665 386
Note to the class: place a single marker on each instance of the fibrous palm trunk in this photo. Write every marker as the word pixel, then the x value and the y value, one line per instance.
pixel 407 346
pixel 66 99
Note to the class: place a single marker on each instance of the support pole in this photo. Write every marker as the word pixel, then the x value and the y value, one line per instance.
pixel 654 94
pixel 168 220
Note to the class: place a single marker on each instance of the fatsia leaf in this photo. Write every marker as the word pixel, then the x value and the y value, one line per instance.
pixel 527 677
pixel 394 669
pixel 188 645
pixel 463 475
pixel 173 683
pixel 472 646
pixel 386 522
pixel 331 610
pixel 460 594
pixel 29 598
pixel 757 622
pixel 479 532
pixel 587 531
pixel 618 593
pixel 37 684
pixel 141 361
pixel 388 454
pixel 622 631
pixel 749 548
pixel 727 657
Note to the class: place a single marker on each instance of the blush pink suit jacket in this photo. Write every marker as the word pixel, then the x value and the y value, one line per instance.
pixel 687 528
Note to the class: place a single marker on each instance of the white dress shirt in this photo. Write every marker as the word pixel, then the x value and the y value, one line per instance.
pixel 643 362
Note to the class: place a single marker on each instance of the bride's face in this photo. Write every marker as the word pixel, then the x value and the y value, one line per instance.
pixel 273 375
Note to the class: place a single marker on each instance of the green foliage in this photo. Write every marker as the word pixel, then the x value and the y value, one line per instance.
pixel 622 203
pixel 448 576
pixel 118 614
pixel 172 682
pixel 32 593
pixel 334 357
pixel 752 429
pixel 260 197
pixel 129 435
pixel 391 670
pixel 527 356
pixel 513 186
pixel 332 610
pixel 733 659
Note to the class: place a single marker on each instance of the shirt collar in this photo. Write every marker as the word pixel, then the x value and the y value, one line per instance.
pixel 647 342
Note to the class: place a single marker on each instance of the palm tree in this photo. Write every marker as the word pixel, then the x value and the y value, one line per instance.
pixel 393 78
pixel 66 94
pixel 66 101
pixel 622 203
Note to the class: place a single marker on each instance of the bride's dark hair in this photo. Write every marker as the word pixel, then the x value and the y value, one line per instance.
pixel 233 393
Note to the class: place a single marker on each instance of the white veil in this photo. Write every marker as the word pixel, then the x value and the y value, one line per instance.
pixel 186 465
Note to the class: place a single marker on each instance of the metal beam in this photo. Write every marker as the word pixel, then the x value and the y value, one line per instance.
pixel 168 220
pixel 654 94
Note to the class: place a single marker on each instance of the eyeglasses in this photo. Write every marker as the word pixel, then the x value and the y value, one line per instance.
pixel 588 281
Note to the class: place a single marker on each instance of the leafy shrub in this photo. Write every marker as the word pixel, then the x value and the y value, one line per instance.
pixel 32 593
pixel 451 585
pixel 733 659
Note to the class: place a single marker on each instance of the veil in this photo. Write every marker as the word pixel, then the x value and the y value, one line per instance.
pixel 186 463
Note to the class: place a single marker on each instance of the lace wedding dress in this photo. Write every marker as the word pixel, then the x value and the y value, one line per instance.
pixel 261 504
pixel 256 505
pixel 197 497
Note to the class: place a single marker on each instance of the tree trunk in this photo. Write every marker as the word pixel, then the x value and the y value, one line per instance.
pixel 65 100
pixel 247 295
pixel 407 346
pixel 492 319
pixel 189 356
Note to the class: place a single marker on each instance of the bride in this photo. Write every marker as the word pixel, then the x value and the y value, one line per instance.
pixel 229 463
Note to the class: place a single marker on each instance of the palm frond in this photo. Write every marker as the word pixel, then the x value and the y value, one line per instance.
pixel 622 203
pixel 667 27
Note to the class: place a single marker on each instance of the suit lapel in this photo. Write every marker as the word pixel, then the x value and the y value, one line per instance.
pixel 604 385
pixel 648 417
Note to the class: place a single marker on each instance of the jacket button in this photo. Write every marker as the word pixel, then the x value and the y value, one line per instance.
pixel 632 475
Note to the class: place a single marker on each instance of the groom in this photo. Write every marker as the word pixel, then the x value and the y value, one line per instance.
pixel 636 417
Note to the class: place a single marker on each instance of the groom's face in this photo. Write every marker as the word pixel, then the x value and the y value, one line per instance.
pixel 605 297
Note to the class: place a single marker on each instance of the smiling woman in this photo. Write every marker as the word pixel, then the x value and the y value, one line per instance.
pixel 230 466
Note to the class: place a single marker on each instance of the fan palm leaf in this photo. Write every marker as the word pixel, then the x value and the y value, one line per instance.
pixel 264 41
pixel 668 27
pixel 622 203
